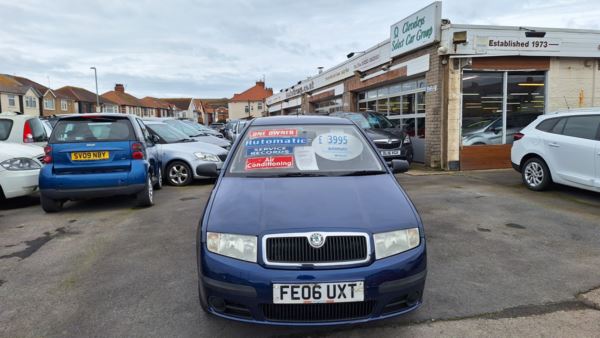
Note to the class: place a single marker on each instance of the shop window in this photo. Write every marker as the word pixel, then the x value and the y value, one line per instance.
pixel 395 105
pixel 525 100
pixel 409 85
pixel 408 104
pixel 483 112
pixel 397 88
pixel 362 106
pixel 372 94
pixel 361 96
pixel 382 106
pixel 372 105
pixel 421 102
pixel 482 108
pixel 420 128
pixel 382 92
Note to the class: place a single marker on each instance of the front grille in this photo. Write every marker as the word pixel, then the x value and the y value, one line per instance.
pixel 317 312
pixel 335 249
pixel 393 145
pixel 222 157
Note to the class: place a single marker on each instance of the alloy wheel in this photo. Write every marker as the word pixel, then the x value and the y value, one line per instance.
pixel 534 174
pixel 178 174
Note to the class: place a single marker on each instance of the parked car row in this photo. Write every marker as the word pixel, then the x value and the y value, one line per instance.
pixel 95 155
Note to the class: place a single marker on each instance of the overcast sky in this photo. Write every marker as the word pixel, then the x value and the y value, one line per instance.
pixel 217 48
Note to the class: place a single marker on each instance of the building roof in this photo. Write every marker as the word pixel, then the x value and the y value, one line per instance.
pixel 26 82
pixel 153 102
pixel 59 95
pixel 256 93
pixel 19 85
pixel 180 103
pixel 10 85
pixel 122 99
pixel 79 94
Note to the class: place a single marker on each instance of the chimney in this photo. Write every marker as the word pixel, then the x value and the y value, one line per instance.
pixel 119 88
pixel 260 83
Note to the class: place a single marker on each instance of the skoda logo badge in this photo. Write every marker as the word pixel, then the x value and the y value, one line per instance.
pixel 316 240
pixel 389 141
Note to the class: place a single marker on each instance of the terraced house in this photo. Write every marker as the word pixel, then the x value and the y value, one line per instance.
pixel 127 103
pixel 19 94
pixel 84 101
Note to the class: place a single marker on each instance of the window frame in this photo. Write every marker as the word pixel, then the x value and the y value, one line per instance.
pixel 47 106
pixel 13 98
pixel 64 105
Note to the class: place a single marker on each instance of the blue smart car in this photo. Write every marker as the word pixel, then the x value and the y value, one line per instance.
pixel 307 225
pixel 99 155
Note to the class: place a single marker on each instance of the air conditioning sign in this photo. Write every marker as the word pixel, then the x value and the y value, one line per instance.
pixel 420 29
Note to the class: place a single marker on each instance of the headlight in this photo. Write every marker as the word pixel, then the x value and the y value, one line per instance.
pixel 20 164
pixel 207 157
pixel 406 140
pixel 395 242
pixel 235 246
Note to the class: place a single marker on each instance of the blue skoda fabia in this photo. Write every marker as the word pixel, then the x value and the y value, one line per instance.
pixel 307 225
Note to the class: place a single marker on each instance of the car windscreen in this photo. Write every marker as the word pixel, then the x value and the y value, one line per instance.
pixel 167 133
pixel 183 127
pixel 377 121
pixel 88 129
pixel 298 150
pixel 5 127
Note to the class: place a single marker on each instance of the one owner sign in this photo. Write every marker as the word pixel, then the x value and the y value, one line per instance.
pixel 417 30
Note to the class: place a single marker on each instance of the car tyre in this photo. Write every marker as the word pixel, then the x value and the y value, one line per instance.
pixel 159 179
pixel 50 205
pixel 179 174
pixel 145 198
pixel 536 174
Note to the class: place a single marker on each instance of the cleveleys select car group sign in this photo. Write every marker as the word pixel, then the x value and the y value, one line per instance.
pixel 417 30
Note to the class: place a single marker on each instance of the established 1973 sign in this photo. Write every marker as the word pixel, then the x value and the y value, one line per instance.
pixel 417 30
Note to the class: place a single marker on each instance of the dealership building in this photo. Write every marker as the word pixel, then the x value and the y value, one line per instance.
pixel 461 91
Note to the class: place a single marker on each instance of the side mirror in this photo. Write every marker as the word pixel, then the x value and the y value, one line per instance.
pixel 399 166
pixel 497 130
pixel 154 138
pixel 207 169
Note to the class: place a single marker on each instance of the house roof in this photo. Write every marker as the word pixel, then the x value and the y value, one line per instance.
pixel 153 102
pixel 26 82
pixel 256 93
pixel 180 103
pixel 10 85
pixel 78 94
pixel 59 95
pixel 122 99
pixel 213 105
pixel 19 85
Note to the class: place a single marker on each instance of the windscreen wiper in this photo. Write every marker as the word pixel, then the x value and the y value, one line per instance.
pixel 300 175
pixel 364 173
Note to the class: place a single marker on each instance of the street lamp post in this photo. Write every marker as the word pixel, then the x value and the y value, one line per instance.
pixel 97 97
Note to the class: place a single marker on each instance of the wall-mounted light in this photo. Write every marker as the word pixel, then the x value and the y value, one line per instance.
pixel 359 73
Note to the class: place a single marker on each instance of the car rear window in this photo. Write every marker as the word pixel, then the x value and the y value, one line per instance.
pixel 38 132
pixel 5 127
pixel 92 130
pixel 303 149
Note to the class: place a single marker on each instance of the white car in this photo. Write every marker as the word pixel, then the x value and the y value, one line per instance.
pixel 19 169
pixel 561 148
pixel 19 128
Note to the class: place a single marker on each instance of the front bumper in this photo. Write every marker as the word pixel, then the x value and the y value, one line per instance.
pixel 243 291
pixel 199 162
pixel 19 182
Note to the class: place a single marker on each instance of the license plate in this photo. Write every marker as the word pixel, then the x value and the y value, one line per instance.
pixel 89 156
pixel 391 152
pixel 318 293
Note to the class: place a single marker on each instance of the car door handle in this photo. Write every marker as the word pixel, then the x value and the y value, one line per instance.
pixel 554 145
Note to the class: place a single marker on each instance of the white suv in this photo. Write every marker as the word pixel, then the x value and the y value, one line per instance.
pixel 562 148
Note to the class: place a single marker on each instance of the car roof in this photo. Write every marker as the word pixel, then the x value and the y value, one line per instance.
pixel 299 119
pixel 95 115
pixel 572 112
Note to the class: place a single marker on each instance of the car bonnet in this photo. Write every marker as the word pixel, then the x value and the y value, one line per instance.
pixel 257 206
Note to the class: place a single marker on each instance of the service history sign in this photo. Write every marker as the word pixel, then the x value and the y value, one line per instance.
pixel 417 30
